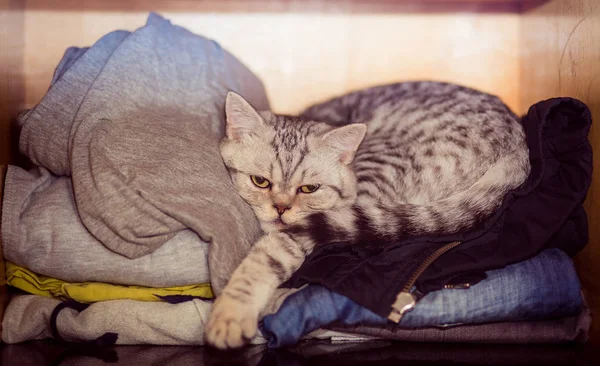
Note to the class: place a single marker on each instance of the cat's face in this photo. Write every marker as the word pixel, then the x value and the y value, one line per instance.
pixel 287 169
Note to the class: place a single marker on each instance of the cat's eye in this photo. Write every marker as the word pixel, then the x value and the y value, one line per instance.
pixel 259 181
pixel 309 188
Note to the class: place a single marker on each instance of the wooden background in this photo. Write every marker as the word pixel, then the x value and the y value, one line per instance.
pixel 560 56
pixel 305 51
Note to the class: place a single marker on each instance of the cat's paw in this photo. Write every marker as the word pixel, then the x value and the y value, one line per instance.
pixel 231 323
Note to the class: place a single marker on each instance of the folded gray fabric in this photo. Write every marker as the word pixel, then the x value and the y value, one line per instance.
pixel 135 322
pixel 136 122
pixel 570 329
pixel 42 231
pixel 28 317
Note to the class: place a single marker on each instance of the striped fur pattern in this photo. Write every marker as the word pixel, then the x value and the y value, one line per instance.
pixel 436 158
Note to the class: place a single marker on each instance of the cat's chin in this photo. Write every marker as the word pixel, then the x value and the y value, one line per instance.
pixel 274 225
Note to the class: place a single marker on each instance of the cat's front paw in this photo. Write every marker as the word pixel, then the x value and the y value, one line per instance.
pixel 231 323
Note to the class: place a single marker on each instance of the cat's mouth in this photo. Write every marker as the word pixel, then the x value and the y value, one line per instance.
pixel 279 223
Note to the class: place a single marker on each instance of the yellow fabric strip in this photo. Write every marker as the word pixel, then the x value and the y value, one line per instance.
pixel 89 292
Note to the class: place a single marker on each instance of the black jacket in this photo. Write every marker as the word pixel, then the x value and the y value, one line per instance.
pixel 546 211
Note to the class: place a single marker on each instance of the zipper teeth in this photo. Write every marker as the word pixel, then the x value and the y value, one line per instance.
pixel 432 257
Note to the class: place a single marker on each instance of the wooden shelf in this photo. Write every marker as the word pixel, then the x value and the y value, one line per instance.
pixel 297 6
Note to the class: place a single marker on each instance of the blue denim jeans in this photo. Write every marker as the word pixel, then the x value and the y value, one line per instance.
pixel 542 287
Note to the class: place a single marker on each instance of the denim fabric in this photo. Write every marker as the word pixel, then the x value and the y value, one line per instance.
pixel 542 287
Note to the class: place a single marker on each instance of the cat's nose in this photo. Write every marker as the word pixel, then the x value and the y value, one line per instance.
pixel 281 208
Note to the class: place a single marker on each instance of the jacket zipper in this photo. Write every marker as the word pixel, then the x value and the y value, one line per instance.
pixel 405 300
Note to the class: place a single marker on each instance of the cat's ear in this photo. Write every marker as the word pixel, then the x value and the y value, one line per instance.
pixel 345 140
pixel 241 117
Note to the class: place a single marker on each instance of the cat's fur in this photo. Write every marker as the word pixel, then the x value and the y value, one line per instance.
pixel 436 158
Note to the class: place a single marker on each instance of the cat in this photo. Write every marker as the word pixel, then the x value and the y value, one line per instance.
pixel 367 168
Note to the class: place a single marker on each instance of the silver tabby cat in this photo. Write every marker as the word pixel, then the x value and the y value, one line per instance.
pixel 392 161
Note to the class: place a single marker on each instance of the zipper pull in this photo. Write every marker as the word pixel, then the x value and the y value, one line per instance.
pixel 405 302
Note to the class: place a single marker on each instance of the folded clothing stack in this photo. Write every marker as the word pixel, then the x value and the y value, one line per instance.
pixel 127 186
pixel 109 231
pixel 543 287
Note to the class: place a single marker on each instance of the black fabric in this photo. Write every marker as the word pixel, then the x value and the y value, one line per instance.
pixel 178 299
pixel 107 339
pixel 546 211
